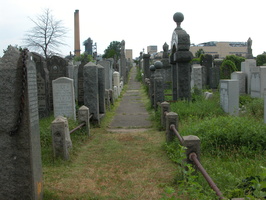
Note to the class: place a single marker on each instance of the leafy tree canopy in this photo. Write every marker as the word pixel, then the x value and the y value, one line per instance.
pixel 236 60
pixel 261 59
pixel 113 50
pixel 84 58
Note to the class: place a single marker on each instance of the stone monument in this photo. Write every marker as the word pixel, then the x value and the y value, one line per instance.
pixel 20 149
pixel 180 59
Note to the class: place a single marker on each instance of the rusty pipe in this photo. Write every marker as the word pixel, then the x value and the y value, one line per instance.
pixel 180 138
pixel 193 157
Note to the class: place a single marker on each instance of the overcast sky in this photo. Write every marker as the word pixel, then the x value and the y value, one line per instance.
pixel 139 22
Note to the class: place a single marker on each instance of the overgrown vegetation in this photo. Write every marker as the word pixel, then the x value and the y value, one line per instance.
pixel 233 148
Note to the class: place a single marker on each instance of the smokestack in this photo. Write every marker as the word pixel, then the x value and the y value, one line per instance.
pixel 76 33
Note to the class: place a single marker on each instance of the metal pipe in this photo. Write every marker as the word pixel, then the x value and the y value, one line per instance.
pixel 78 127
pixel 193 157
pixel 180 138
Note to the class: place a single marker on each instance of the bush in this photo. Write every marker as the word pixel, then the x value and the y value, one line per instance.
pixel 228 133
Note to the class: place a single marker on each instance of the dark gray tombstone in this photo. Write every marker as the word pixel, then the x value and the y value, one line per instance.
pixel 43 85
pixel 91 90
pixel 166 72
pixel 101 87
pixel 180 59
pixel 158 84
pixel 57 68
pixel 108 73
pixel 146 65
pixel 207 65
pixel 80 84
pixel 151 86
pixel 20 149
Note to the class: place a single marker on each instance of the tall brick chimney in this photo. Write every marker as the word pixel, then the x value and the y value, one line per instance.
pixel 76 33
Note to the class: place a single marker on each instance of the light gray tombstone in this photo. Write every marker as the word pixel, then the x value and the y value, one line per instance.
pixel 116 77
pixel 265 106
pixel 246 68
pixel 91 90
pixel 61 140
pixel 196 76
pixel 70 69
pixel 63 98
pixel 20 149
pixel 258 81
pixel 241 77
pixel 229 96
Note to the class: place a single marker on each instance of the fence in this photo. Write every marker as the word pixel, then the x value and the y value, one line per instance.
pixel 169 121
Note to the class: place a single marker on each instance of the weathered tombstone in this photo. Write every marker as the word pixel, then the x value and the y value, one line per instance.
pixel 258 81
pixel 146 65
pixel 108 73
pixel 70 69
pixel 215 73
pixel 63 98
pixel 57 68
pixel 61 140
pixel 229 96
pixel 167 75
pixel 101 87
pixel 264 106
pixel 241 77
pixel 207 64
pixel 116 78
pixel 158 84
pixel 180 59
pixel 43 85
pixel 75 78
pixel 196 76
pixel 81 84
pixel 91 90
pixel 151 86
pixel 20 149
pixel 123 62
pixel 246 68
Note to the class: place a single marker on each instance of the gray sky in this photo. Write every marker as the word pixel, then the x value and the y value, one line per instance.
pixel 139 22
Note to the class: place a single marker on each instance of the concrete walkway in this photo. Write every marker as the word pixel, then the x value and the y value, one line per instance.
pixel 131 115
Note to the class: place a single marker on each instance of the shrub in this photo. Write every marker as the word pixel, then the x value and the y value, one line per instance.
pixel 228 133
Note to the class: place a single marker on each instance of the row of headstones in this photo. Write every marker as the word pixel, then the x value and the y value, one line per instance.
pixel 250 80
pixel 22 79
pixel 58 67
pixel 93 93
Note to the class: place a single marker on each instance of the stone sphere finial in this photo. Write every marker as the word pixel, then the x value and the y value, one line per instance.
pixel 152 68
pixel 178 18
pixel 158 65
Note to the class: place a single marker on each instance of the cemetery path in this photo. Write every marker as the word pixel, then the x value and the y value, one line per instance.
pixel 131 115
pixel 126 160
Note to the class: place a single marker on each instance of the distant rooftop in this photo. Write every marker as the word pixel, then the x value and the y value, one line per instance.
pixel 213 43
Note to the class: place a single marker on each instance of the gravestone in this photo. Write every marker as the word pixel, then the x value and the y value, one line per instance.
pixel 63 98
pixel 107 64
pixel 196 76
pixel 91 90
pixel 146 65
pixel 215 76
pixel 81 84
pixel 158 84
pixel 57 68
pixel 167 75
pixel 241 77
pixel 75 78
pixel 229 96
pixel 258 81
pixel 246 68
pixel 207 64
pixel 43 85
pixel 101 87
pixel 180 59
pixel 20 149
pixel 116 78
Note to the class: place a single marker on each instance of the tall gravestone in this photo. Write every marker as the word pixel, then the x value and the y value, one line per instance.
pixel 246 68
pixel 20 149
pixel 241 77
pixel 75 78
pixel 81 84
pixel 43 85
pixel 207 65
pixel 196 76
pixel 180 59
pixel 107 64
pixel 215 73
pixel 57 68
pixel 146 65
pixel 63 98
pixel 91 90
pixel 258 81
pixel 101 89
pixel 167 75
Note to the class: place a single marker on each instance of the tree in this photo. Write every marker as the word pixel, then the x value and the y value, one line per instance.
pixel 84 58
pixel 236 60
pixel 199 53
pixel 47 35
pixel 113 50
pixel 261 59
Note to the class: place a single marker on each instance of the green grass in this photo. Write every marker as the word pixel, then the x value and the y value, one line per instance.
pixel 232 148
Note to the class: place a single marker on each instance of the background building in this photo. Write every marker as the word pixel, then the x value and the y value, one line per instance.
pixel 152 49
pixel 221 49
